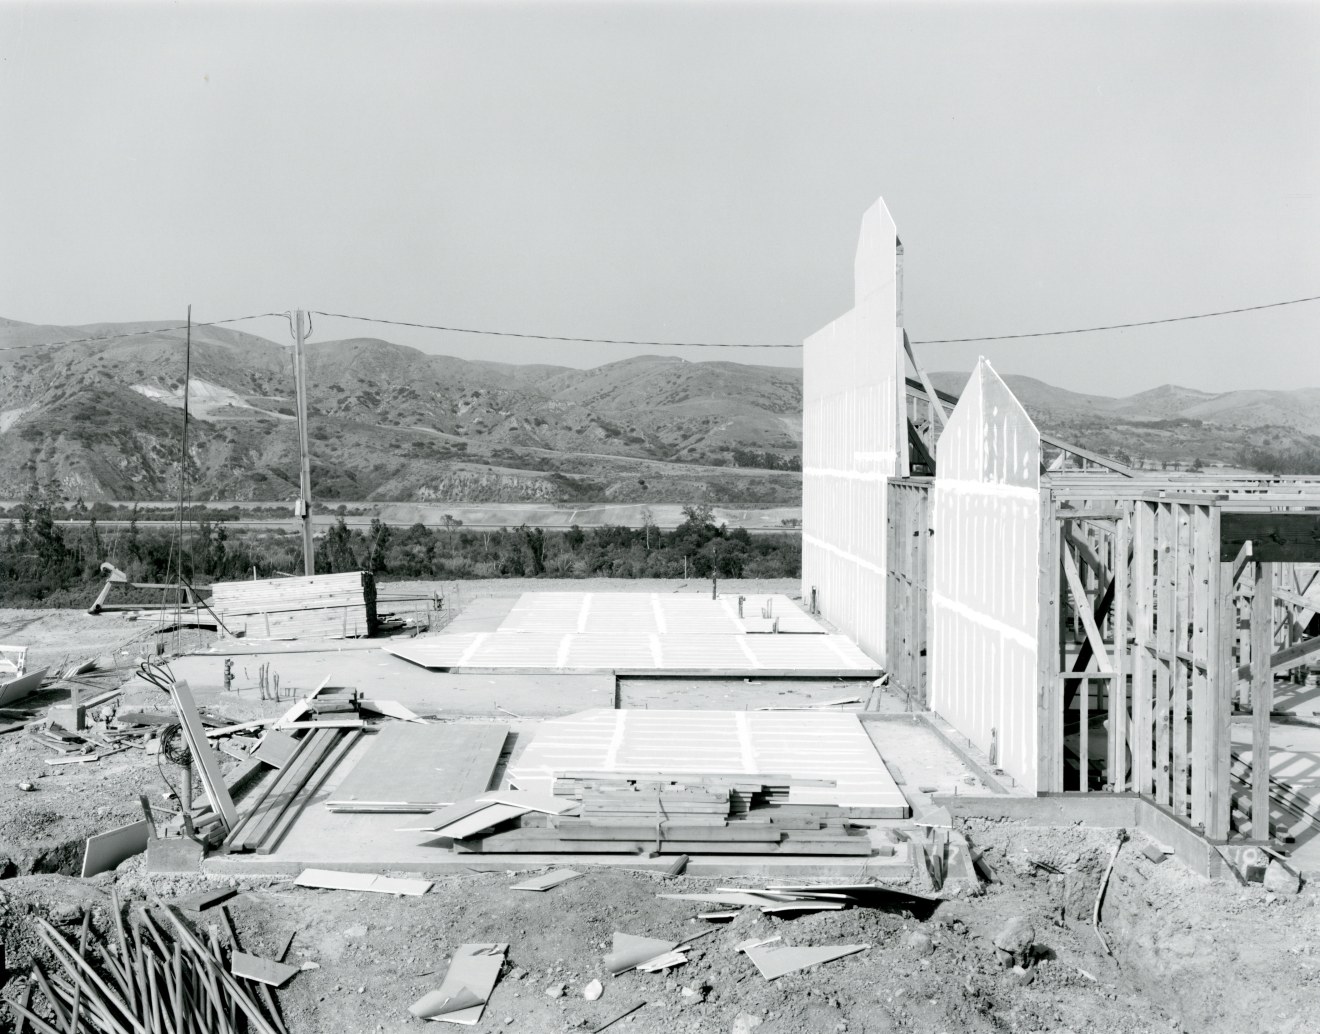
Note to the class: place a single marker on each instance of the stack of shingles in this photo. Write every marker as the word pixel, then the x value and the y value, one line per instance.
pixel 610 816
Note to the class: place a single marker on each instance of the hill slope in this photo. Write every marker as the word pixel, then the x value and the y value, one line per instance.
pixel 102 419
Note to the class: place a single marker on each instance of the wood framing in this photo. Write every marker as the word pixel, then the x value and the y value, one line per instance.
pixel 908 538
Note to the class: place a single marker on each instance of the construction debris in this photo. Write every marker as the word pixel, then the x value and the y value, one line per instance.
pixel 547 880
pixel 330 879
pixel 160 976
pixel 467 986
pixel 776 962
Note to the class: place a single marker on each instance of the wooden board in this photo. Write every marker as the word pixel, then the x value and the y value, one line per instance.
pixel 264 971
pixel 777 961
pixel 629 951
pixel 17 689
pixel 332 879
pixel 276 748
pixel 106 850
pixel 813 656
pixel 547 880
pixel 418 768
pixel 208 763
pixel 480 821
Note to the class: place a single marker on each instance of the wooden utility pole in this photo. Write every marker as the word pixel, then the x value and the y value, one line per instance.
pixel 303 509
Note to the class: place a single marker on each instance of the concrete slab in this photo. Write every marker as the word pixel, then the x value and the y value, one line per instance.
pixel 671 653
pixel 377 674
pixel 373 843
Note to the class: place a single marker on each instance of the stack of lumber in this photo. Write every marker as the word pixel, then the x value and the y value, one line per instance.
pixel 673 819
pixel 273 810
pixel 324 606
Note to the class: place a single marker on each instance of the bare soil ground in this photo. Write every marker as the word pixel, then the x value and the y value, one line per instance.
pixel 1189 954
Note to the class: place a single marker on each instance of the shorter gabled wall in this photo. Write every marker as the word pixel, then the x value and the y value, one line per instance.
pixel 984 586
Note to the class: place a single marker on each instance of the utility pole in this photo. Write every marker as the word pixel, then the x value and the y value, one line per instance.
pixel 303 508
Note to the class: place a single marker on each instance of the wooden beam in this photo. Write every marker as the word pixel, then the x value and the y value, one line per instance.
pixel 1282 660
pixel 1274 536
pixel 1262 698
pixel 1083 605
pixel 937 407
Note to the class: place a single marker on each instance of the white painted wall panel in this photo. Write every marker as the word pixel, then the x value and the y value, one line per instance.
pixel 854 437
pixel 983 647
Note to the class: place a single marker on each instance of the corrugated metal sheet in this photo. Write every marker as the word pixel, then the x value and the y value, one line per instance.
pixel 983 647
pixel 854 438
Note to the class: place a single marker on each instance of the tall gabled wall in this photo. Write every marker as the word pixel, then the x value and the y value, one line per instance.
pixel 984 599
pixel 854 438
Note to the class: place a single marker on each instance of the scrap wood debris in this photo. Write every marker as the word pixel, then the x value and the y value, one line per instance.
pixel 149 973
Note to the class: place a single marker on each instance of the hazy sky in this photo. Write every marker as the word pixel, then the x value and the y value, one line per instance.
pixel 678 171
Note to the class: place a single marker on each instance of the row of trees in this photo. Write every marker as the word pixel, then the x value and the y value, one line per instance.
pixel 42 561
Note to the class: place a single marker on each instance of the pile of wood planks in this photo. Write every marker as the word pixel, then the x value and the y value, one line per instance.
pixel 324 606
pixel 273 810
pixel 669 817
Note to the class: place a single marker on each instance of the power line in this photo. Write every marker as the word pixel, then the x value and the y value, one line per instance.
pixel 140 333
pixel 720 344
pixel 1116 326
pixel 550 337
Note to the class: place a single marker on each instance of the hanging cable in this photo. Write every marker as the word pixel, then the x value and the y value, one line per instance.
pixel 138 333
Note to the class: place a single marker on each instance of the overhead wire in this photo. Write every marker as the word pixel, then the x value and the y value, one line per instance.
pixel 139 333
pixel 726 344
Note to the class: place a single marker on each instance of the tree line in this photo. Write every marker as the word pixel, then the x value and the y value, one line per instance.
pixel 44 562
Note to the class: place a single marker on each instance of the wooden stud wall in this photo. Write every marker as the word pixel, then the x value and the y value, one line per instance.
pixel 908 540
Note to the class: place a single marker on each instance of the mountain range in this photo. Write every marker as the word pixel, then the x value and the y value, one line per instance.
pixel 101 419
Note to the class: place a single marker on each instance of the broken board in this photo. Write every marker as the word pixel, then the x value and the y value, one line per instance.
pixel 776 962
pixel 264 971
pixel 547 880
pixel 410 767
pixel 332 879
pixel 467 986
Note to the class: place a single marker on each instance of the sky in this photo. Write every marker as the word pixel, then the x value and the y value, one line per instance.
pixel 678 172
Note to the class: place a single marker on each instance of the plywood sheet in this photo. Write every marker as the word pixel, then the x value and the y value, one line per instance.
pixel 808 747
pixel 788 655
pixel 420 767
pixel 106 850
pixel 778 961
pixel 985 579
pixel 17 689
